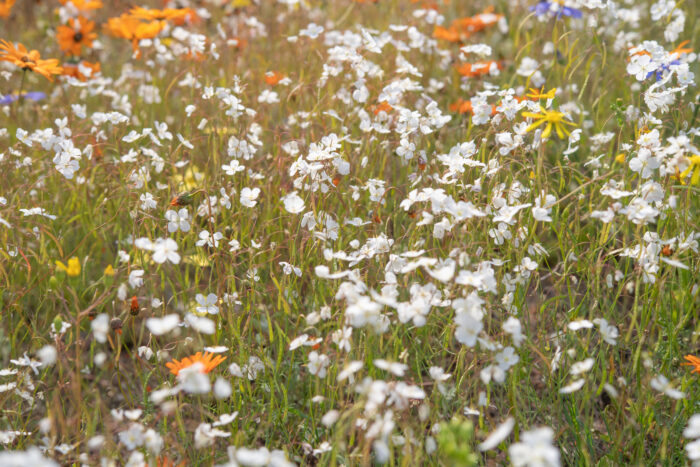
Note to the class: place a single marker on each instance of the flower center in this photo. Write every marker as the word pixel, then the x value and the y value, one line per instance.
pixel 78 37
pixel 554 116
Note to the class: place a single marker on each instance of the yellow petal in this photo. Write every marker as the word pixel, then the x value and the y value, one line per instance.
pixel 547 131
pixel 535 125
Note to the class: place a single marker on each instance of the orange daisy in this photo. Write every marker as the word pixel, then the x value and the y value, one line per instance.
pixel 465 106
pixel 5 8
pixel 383 106
pixel 166 14
pixel 133 29
pixel 209 360
pixel 78 33
pixel 74 70
pixel 28 60
pixel 272 77
pixel 462 28
pixel 681 49
pixel 477 69
pixel 692 360
pixel 84 5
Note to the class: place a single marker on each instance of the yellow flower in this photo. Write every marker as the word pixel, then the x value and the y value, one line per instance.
pixel 73 268
pixel 694 169
pixel 620 158
pixel 538 94
pixel 191 178
pixel 552 118
pixel 109 270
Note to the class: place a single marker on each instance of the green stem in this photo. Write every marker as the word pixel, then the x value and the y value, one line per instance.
pixel 19 94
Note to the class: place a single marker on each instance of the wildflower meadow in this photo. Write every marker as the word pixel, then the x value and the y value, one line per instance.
pixel 349 233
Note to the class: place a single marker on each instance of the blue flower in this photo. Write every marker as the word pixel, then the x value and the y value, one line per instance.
pixel 659 72
pixel 32 96
pixel 545 7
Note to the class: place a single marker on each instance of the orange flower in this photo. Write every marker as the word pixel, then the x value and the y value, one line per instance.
pixel 464 107
pixel 461 106
pixel 477 69
pixel 5 8
pixel 272 77
pixel 462 28
pixel 133 29
pixel 77 34
pixel 450 34
pixel 693 361
pixel 209 360
pixel 84 5
pixel 681 49
pixel 164 461
pixel 74 70
pixel 178 15
pixel 26 60
pixel 383 106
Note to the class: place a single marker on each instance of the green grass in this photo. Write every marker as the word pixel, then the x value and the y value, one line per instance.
pixel 98 213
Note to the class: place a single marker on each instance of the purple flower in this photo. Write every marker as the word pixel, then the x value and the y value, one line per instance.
pixel 545 7
pixel 32 96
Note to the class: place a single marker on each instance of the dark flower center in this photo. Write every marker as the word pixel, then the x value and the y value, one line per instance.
pixel 78 37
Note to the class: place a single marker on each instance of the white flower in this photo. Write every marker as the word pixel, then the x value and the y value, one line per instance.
pixel 153 441
pixel 318 364
pixel 640 66
pixel 193 379
pixel 468 329
pixel 438 374
pixel 507 358
pixel 573 387
pixel 255 365
pixel 225 419
pixel 206 238
pixel 293 203
pixel 662 384
pixel 201 324
pixel 249 197
pixel 207 304
pixel 47 355
pixel 492 372
pixel 160 326
pixel 233 167
pixel 396 368
pixel 609 332
pixel 222 389
pixel 136 278
pixel 133 437
pixel 268 97
pixel 165 249
pixel 147 202
pixel 692 431
pixel 582 366
pixel 205 435
pixel 289 268
pixel 100 327
pixel 498 435
pixel 513 327
pixel 145 352
pixel 312 31
pixel 580 324
pixel 692 450
pixel 177 220
pixel 535 449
